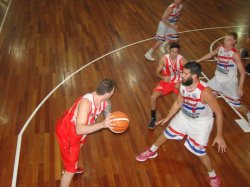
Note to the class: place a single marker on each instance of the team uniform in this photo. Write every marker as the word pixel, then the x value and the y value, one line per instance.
pixel 225 80
pixel 195 120
pixel 174 72
pixel 164 32
pixel 69 142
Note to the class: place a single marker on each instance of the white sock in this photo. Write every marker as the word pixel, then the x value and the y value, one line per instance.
pixel 212 174
pixel 150 51
pixel 153 148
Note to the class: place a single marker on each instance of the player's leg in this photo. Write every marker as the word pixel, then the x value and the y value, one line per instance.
pixel 232 97
pixel 196 142
pixel 176 130
pixel 153 99
pixel 214 179
pixel 66 179
pixel 171 36
pixel 160 37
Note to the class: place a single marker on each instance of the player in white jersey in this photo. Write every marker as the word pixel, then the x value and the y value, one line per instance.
pixel 167 28
pixel 225 80
pixel 169 71
pixel 194 120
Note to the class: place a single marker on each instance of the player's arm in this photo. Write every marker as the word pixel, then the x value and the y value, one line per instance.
pixel 208 56
pixel 107 110
pixel 176 106
pixel 159 68
pixel 209 98
pixel 241 69
pixel 165 16
pixel 82 127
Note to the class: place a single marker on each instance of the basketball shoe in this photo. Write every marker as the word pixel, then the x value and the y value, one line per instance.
pixel 79 170
pixel 214 181
pixel 151 125
pixel 146 155
pixel 149 57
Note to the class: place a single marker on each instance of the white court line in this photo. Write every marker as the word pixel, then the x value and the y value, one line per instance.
pixel 5 15
pixel 19 139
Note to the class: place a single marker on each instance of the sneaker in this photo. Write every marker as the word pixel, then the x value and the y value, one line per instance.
pixel 149 57
pixel 243 53
pixel 79 170
pixel 214 181
pixel 145 155
pixel 151 125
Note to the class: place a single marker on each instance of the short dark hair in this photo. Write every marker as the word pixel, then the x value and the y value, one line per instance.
pixel 194 67
pixel 105 86
pixel 233 34
pixel 174 45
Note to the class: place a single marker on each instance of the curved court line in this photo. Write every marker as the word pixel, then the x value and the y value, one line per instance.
pixel 5 15
pixel 19 139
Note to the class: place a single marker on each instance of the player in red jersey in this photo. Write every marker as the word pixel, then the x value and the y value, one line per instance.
pixel 79 121
pixel 169 71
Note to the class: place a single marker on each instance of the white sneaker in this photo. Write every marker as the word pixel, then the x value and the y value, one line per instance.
pixel 149 57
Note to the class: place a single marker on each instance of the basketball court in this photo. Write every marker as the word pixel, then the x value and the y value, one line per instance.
pixel 52 52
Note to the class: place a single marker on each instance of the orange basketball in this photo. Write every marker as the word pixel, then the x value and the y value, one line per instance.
pixel 120 122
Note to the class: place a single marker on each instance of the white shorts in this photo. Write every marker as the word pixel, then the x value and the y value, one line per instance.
pixel 164 32
pixel 227 87
pixel 197 132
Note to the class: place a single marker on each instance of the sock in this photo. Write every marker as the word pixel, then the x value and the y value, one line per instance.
pixel 153 114
pixel 212 174
pixel 150 51
pixel 153 148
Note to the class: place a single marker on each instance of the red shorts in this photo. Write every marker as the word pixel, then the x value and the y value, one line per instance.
pixel 166 87
pixel 69 143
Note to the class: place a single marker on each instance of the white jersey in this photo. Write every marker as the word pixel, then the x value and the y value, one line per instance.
pixel 173 70
pixel 192 106
pixel 226 66
pixel 173 18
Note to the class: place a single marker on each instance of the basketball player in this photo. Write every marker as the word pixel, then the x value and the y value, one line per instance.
pixel 169 71
pixel 194 120
pixel 225 80
pixel 167 28
pixel 79 121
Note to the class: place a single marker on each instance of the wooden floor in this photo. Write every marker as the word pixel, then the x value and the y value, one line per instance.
pixel 44 42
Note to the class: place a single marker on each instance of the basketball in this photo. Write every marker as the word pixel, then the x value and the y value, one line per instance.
pixel 120 122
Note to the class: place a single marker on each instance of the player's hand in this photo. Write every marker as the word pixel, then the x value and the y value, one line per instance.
pixel 162 122
pixel 221 144
pixel 108 121
pixel 240 92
